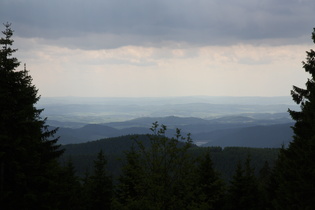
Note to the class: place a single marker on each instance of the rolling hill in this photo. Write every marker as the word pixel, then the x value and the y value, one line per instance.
pixel 242 131
pixel 267 136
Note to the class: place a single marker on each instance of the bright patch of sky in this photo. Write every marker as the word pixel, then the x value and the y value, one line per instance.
pixel 162 48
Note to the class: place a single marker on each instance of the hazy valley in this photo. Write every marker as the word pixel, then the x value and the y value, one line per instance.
pixel 212 121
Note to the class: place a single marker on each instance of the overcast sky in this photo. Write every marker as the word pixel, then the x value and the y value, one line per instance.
pixel 136 48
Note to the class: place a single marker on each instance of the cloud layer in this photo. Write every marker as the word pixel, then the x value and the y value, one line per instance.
pixel 162 47
pixel 116 23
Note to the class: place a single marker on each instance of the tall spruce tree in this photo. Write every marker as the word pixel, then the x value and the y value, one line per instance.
pixel 28 151
pixel 243 192
pixel 69 192
pixel 295 170
pixel 99 185
pixel 130 189
pixel 210 189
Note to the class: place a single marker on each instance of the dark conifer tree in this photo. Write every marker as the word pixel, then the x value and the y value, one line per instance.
pixel 160 175
pixel 264 173
pixel 27 150
pixel 295 170
pixel 99 185
pixel 243 192
pixel 130 189
pixel 236 190
pixel 69 193
pixel 264 181
pixel 210 189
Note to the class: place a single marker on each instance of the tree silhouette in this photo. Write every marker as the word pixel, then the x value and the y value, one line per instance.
pixel 295 170
pixel 210 187
pixel 166 171
pixel 99 185
pixel 27 150
pixel 243 192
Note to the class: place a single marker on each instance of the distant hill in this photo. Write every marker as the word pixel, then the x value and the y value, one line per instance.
pixel 224 131
pixel 110 146
pixel 272 136
pixel 94 132
pixel 169 121
pixel 101 110
pixel 56 123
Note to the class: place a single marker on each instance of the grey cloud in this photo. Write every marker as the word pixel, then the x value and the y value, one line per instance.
pixel 155 22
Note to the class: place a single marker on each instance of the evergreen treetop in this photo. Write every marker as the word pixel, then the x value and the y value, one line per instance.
pixel 28 150
pixel 295 170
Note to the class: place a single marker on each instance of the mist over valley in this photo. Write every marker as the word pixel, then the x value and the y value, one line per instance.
pixel 212 121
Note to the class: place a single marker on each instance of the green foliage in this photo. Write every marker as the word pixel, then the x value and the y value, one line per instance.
pixel 159 176
pixel 28 153
pixel 69 194
pixel 130 187
pixel 224 160
pixel 99 187
pixel 243 192
pixel 209 187
pixel 293 176
pixel 159 172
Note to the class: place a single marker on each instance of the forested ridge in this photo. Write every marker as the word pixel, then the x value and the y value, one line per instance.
pixel 155 171
pixel 267 134
pixel 224 159
pixel 149 163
